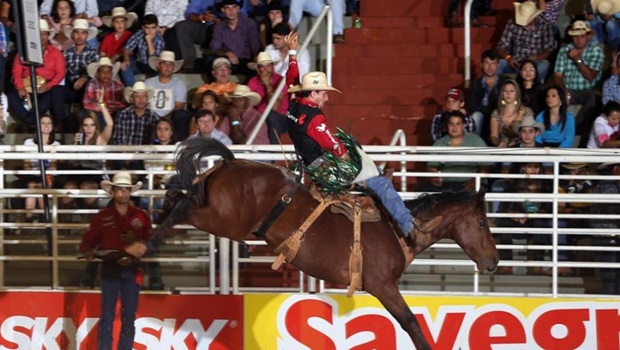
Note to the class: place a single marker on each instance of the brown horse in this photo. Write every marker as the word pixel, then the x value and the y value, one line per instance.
pixel 236 197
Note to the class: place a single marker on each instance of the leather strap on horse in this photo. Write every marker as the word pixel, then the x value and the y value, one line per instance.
pixel 355 260
pixel 275 212
pixel 288 249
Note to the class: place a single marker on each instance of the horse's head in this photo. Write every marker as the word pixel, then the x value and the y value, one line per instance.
pixel 471 232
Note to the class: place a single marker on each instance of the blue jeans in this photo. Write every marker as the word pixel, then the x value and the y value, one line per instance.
pixel 314 8
pixel 392 202
pixel 121 282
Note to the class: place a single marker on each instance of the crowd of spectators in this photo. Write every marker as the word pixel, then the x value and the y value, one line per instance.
pixel 540 88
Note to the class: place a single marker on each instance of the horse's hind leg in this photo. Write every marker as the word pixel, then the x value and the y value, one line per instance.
pixel 395 304
pixel 176 210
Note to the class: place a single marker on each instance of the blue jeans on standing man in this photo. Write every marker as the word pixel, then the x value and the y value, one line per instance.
pixel 115 281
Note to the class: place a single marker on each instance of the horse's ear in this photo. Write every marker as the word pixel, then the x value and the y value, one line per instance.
pixel 481 193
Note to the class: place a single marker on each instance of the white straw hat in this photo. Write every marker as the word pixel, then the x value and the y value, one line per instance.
pixel 244 91
pixel 525 12
pixel 92 68
pixel 313 81
pixel 80 24
pixel 138 86
pixel 120 179
pixel 120 12
pixel 165 56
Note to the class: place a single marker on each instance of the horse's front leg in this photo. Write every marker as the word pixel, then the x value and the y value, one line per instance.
pixel 394 303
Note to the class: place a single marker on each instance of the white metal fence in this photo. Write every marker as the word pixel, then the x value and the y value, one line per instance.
pixel 65 235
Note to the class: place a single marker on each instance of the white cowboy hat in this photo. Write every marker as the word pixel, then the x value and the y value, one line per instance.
pixel 92 68
pixel 80 24
pixel 528 121
pixel 120 179
pixel 120 12
pixel 525 12
pixel 262 59
pixel 579 28
pixel 45 27
pixel 165 56
pixel 138 86
pixel 244 91
pixel 313 81
pixel 606 7
pixel 220 60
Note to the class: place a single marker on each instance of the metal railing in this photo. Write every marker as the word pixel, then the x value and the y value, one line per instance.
pixel 407 155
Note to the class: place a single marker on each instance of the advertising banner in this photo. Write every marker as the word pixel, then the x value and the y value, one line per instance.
pixel 65 320
pixel 335 322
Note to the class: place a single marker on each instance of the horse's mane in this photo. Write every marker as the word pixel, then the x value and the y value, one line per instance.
pixel 188 159
pixel 427 201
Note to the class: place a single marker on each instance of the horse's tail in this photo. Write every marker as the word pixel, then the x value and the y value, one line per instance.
pixel 190 153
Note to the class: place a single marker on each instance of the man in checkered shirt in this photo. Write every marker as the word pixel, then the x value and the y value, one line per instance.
pixel 578 69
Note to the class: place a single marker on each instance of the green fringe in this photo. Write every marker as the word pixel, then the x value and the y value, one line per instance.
pixel 336 173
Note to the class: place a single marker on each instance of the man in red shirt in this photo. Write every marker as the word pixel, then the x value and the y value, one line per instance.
pixel 49 76
pixel 313 139
pixel 122 231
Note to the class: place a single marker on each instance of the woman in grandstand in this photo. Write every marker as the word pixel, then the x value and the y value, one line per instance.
pixel 89 134
pixel 558 121
pixel 33 181
pixel 532 89
pixel 509 112
pixel 210 101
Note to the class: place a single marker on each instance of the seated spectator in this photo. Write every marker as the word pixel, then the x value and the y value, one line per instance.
pixel 113 44
pixel 84 8
pixel 600 15
pixel 6 16
pixel 456 137
pixel 455 101
pixel 265 84
pixel 169 14
pixel 49 77
pixel 314 8
pixel 136 123
pixel 196 29
pixel 484 93
pixel 103 88
pixel 525 222
pixel 578 70
pixel 90 133
pixel 33 181
pixel 526 36
pixel 222 83
pixel 63 14
pixel 605 132
pixel 235 37
pixel 210 101
pixel 244 118
pixel 170 92
pixel 510 111
pixel 145 43
pixel 531 89
pixel 274 16
pixel 559 122
pixel 610 277
pixel 4 111
pixel 77 58
pixel 611 86
pixel 280 52
pixel 205 125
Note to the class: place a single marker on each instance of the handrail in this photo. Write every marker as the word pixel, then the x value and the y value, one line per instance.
pixel 401 138
pixel 303 46
pixel 467 48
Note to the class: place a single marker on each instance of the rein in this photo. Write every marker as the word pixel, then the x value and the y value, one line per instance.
pixel 275 211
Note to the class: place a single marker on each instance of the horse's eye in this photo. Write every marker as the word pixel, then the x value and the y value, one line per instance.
pixel 483 224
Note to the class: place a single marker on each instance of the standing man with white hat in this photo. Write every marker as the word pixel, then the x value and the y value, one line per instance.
pixel 123 231
pixel 169 92
pixel 528 35
pixel 327 159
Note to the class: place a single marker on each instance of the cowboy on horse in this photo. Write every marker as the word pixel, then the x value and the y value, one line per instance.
pixel 330 164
